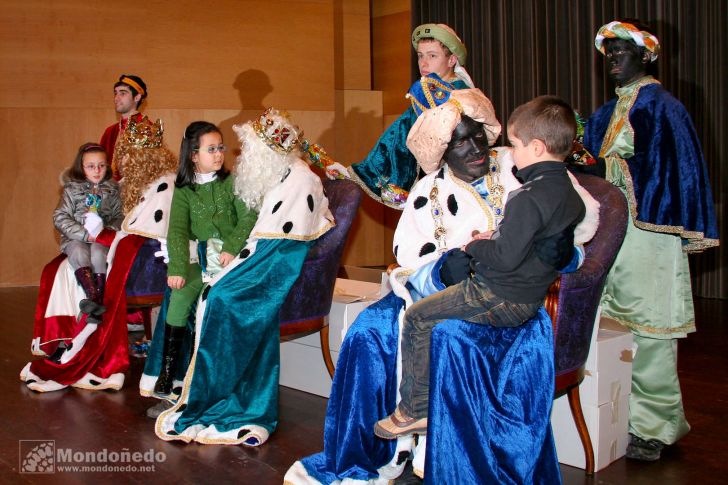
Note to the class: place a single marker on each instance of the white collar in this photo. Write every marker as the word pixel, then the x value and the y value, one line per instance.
pixel 203 178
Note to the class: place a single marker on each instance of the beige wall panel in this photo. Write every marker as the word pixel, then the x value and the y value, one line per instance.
pixel 38 146
pixel 358 126
pixel 381 8
pixel 40 143
pixel 223 62
pixel 391 56
pixel 352 44
pixel 190 53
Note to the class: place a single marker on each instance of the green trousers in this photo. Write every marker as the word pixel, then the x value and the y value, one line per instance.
pixel 655 405
pixel 180 301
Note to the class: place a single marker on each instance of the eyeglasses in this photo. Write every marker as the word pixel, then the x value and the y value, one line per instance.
pixel 100 166
pixel 212 149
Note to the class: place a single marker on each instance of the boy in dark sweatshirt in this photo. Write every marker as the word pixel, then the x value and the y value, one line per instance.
pixel 509 281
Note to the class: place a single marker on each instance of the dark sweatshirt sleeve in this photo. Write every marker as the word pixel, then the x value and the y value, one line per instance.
pixel 515 235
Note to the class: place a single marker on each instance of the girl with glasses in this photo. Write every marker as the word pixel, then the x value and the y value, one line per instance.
pixel 205 210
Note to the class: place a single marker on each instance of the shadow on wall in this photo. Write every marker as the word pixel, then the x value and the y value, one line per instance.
pixel 253 86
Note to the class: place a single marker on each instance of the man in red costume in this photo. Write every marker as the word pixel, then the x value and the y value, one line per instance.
pixel 129 93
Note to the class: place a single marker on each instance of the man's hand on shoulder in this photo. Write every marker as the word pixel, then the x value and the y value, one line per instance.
pixel 556 250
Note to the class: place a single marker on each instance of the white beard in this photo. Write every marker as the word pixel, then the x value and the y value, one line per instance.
pixel 258 168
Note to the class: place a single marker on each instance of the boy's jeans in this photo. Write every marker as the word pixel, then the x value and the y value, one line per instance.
pixel 469 300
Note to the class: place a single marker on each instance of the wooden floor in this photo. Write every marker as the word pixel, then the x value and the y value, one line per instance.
pixel 88 421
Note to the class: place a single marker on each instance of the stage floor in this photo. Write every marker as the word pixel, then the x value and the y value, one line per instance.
pixel 83 421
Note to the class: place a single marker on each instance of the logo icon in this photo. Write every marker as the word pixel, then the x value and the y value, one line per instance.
pixel 37 456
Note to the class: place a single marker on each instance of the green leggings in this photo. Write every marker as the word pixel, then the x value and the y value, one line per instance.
pixel 181 300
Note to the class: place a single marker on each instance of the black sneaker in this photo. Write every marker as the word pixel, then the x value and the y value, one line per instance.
pixel 644 450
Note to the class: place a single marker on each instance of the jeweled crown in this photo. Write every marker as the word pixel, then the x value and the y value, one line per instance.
pixel 277 130
pixel 144 133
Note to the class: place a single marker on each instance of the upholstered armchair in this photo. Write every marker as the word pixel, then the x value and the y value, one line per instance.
pixel 309 300
pixel 146 283
pixel 574 299
pixel 487 397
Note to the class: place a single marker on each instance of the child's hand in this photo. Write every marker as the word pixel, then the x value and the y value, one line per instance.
pixel 175 282
pixel 482 235
pixel 225 259
pixel 477 236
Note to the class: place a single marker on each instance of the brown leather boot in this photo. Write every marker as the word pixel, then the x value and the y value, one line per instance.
pixel 100 281
pixel 85 278
pixel 90 305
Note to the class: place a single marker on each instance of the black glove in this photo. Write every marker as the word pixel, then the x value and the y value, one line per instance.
pixel 455 268
pixel 557 250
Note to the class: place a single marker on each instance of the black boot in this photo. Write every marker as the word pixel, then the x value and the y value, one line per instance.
pixel 56 356
pixel 89 304
pixel 170 356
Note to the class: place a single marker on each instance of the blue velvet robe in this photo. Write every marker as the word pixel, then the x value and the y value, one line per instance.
pixel 491 392
pixel 668 172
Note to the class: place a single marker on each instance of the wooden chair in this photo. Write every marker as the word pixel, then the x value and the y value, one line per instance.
pixel 309 300
pixel 573 301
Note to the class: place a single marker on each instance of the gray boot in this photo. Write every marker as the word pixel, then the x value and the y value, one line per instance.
pixel 154 411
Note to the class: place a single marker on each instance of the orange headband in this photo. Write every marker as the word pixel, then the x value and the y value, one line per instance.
pixel 134 84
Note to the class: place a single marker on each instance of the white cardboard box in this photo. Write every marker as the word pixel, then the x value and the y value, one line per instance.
pixel 604 395
pixel 607 426
pixel 302 364
pixel 608 373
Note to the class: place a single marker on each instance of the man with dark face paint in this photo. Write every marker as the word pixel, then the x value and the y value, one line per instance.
pixel 652 154
pixel 463 195
pixel 467 154
pixel 509 281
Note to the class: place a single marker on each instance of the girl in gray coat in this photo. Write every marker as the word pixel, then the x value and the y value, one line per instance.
pixel 90 203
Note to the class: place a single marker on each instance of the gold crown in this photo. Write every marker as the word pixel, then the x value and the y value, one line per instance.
pixel 143 133
pixel 277 130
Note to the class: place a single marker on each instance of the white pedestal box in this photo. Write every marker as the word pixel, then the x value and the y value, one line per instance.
pixel 302 365
pixel 604 395
pixel 607 426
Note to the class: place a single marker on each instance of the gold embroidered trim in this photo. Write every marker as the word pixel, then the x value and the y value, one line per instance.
pixel 436 213
pixel 696 239
pixel 415 102
pixel 358 181
pixel 310 237
pixel 129 230
pixel 621 118
pixel 487 211
pixel 686 328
